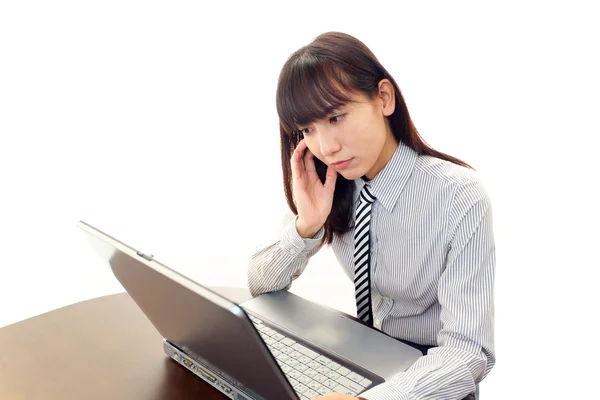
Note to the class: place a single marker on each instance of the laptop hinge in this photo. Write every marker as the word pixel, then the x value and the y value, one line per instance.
pixel 145 256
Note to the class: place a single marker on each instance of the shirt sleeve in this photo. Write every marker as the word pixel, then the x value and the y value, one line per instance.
pixel 465 352
pixel 277 264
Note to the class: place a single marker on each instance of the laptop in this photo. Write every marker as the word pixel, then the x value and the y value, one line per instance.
pixel 274 346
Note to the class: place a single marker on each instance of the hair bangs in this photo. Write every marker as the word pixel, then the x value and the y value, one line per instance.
pixel 310 90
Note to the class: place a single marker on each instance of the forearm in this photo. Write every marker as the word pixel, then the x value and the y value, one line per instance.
pixel 446 373
pixel 274 267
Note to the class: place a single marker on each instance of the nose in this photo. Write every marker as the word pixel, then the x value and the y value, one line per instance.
pixel 328 143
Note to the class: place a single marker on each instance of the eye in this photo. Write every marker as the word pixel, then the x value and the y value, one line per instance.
pixel 336 118
pixel 304 131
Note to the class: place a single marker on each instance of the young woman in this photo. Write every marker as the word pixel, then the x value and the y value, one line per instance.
pixel 410 226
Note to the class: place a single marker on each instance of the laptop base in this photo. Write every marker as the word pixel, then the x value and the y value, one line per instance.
pixel 203 371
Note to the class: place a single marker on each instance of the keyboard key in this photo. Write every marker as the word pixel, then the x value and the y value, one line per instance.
pixel 304 360
pixel 331 384
pixel 291 362
pixel 301 388
pixel 324 370
pixel 284 348
pixel 304 379
pixel 333 375
pixel 343 371
pixel 295 374
pixel 269 340
pixel 282 357
pixel 301 367
pixel 288 342
pixel 342 380
pixel 293 382
pixel 279 346
pixel 286 368
pixel 310 372
pixel 314 385
pixel 314 364
pixel 333 365
pixel 353 376
pixel 295 354
pixel 305 350
pixel 311 393
pixel 323 390
pixel 320 378
pixel 277 336
pixel 344 390
pixel 323 360
pixel 365 382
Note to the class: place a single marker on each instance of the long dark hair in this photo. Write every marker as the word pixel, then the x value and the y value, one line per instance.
pixel 319 78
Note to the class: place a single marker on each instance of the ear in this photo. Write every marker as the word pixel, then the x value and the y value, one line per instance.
pixel 388 97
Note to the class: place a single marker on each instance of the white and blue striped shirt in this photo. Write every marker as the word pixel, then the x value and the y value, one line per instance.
pixel 432 272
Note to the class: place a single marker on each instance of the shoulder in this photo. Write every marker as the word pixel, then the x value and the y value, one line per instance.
pixel 464 184
pixel 468 200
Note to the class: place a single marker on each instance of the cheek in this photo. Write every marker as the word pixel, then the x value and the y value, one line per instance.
pixel 313 147
pixel 362 140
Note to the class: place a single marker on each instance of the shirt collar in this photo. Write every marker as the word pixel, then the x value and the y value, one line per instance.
pixel 389 182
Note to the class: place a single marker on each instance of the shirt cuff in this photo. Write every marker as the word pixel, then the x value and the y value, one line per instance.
pixel 384 391
pixel 296 244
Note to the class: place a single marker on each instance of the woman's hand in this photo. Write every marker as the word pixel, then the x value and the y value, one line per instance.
pixel 312 198
pixel 337 396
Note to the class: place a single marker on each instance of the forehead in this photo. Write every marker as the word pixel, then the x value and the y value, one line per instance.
pixel 356 100
pixel 307 95
pixel 358 104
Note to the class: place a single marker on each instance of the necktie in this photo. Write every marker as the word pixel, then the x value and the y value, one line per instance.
pixel 362 257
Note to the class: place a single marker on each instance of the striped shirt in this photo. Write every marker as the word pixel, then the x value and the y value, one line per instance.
pixel 432 271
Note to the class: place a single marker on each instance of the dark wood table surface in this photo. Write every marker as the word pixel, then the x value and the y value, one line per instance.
pixel 103 348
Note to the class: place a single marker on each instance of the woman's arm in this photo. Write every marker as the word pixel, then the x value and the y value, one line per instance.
pixel 465 352
pixel 276 265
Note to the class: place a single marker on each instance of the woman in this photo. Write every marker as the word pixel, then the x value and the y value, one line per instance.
pixel 412 227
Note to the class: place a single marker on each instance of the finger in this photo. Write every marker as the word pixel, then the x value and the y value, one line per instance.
pixel 296 161
pixel 299 150
pixel 330 178
pixel 309 161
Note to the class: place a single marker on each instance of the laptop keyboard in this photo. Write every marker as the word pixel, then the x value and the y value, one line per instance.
pixel 310 373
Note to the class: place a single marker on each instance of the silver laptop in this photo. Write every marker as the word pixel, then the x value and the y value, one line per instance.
pixel 275 346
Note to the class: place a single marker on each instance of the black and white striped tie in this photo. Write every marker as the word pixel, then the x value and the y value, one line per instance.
pixel 362 257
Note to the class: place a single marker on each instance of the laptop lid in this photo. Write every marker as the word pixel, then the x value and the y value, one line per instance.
pixel 194 318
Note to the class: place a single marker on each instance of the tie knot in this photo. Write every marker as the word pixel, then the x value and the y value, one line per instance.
pixel 366 195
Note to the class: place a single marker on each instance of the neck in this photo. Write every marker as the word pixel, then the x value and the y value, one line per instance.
pixel 385 156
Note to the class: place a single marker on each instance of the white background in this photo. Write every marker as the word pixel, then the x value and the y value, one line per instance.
pixel 156 122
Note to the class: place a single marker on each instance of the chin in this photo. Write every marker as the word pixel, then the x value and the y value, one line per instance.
pixel 351 175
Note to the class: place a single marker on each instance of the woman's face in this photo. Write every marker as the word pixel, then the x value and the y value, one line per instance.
pixel 356 139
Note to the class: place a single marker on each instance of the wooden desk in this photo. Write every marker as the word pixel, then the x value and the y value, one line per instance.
pixel 103 348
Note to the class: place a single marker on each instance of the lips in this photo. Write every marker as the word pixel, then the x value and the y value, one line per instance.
pixel 340 162
pixel 340 165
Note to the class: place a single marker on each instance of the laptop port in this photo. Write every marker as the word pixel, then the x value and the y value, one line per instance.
pixel 206 375
pixel 226 388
